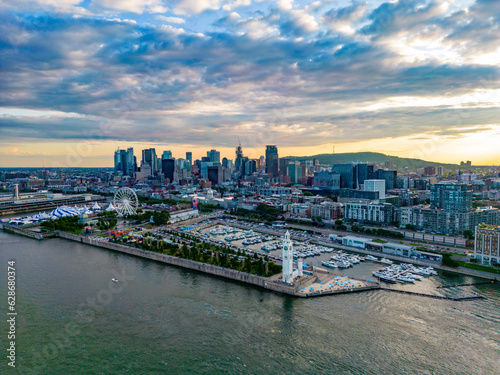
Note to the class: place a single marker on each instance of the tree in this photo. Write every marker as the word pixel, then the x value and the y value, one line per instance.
pixel 338 222
pixel 468 234
pixel 161 217
pixel 308 194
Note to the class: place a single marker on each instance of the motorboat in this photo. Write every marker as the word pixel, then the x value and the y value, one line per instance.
pixel 405 279
pixel 114 280
pixel 386 261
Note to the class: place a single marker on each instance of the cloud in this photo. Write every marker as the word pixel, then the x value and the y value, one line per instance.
pixel 177 20
pixel 297 75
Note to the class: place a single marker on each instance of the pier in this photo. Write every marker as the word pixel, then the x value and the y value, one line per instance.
pixel 469 284
pixel 434 295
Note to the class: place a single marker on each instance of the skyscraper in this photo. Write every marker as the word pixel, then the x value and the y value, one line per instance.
pixel 131 162
pixel 149 157
pixel 213 156
pixel 167 154
pixel 168 168
pixel 189 157
pixel 121 161
pixel 272 160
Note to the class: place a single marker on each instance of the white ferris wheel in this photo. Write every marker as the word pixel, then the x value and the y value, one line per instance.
pixel 126 202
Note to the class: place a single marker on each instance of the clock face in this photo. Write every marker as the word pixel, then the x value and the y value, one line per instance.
pixel 286 248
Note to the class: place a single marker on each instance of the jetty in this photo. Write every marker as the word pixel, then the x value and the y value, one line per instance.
pixel 466 298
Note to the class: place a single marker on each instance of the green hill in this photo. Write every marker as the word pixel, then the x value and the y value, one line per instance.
pixel 372 157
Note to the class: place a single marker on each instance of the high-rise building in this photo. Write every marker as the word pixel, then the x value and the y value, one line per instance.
pixel 238 159
pixel 295 172
pixel 149 157
pixel 364 172
pixel 168 169
pixel 167 154
pixel 189 157
pixel 283 166
pixel 272 160
pixel 390 177
pixel 131 162
pixel 213 156
pixel 487 244
pixel 451 197
pixel 121 162
pixel 215 175
pixel 347 175
pixel 228 163
pixel 327 180
pixel 375 185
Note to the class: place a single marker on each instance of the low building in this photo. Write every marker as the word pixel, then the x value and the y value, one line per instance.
pixel 487 244
pixel 353 241
pixel 369 212
pixel 399 249
pixel 327 210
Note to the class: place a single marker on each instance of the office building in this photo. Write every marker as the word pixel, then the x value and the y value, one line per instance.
pixel 283 166
pixel 347 175
pixel 168 169
pixel 487 244
pixel 294 172
pixel 121 162
pixel 215 174
pixel 149 157
pixel 327 180
pixel 390 177
pixel 451 197
pixel 213 156
pixel 272 165
pixel 189 157
pixel 375 185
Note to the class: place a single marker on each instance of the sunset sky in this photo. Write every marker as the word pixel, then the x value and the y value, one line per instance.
pixel 79 79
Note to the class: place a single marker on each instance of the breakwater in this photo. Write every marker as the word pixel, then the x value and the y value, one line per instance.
pixel 434 295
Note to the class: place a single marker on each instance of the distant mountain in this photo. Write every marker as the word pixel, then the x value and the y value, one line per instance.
pixel 371 157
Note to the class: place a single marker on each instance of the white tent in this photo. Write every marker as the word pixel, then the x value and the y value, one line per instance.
pixel 111 207
pixel 96 206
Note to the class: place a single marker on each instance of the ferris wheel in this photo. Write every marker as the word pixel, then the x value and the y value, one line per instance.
pixel 126 202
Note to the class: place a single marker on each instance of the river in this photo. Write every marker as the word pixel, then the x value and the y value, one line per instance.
pixel 160 319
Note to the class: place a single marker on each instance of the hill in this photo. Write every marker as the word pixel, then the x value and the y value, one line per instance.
pixel 372 157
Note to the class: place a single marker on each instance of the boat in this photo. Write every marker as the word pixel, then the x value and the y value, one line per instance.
pixel 114 280
pixel 405 279
pixel 388 279
pixel 416 277
pixel 386 261
pixel 372 258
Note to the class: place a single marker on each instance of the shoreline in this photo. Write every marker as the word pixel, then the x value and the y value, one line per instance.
pixel 242 277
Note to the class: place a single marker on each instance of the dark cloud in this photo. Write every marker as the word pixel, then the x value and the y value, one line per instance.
pixel 303 81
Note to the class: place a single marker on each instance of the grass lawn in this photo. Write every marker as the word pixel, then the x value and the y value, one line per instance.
pixel 479 267
pixel 379 240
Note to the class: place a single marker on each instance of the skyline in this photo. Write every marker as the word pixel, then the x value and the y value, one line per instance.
pixel 414 79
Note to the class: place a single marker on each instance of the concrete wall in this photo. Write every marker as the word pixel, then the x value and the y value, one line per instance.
pixel 168 259
pixel 27 233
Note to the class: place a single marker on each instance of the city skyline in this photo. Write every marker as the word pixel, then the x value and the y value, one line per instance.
pixel 415 79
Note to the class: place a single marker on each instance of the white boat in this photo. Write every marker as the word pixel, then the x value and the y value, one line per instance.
pixel 405 279
pixel 114 280
pixel 372 258
pixel 413 276
pixel 386 261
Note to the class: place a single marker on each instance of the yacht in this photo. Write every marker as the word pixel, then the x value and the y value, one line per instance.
pixel 387 279
pixel 372 258
pixel 405 279
pixel 386 261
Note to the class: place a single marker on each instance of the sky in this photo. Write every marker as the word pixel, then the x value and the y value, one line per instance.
pixel 412 78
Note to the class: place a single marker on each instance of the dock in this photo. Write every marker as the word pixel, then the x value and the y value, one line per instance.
pixel 469 298
pixel 469 284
